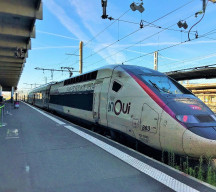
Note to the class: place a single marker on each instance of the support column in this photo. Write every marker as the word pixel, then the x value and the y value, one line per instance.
pixel 16 96
pixel 12 93
pixel 0 90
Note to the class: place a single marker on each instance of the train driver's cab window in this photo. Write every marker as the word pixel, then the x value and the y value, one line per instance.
pixel 116 86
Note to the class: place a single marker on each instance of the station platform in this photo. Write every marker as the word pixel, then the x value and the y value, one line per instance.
pixel 40 152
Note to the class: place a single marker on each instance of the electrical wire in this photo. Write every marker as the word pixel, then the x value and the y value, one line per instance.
pixel 139 41
pixel 94 37
pixel 155 26
pixel 197 22
pixel 105 28
pixel 165 48
pixel 191 60
pixel 140 29
pixel 113 43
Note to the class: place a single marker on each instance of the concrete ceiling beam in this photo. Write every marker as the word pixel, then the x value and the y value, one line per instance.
pixel 9 68
pixel 11 60
pixel 7 43
pixel 19 31
pixel 2 64
pixel 24 8
pixel 7 53
pixel 10 53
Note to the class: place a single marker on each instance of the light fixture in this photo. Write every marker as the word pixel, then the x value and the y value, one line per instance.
pixel 104 5
pixel 138 7
pixel 182 24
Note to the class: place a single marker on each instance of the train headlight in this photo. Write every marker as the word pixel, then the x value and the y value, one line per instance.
pixel 187 118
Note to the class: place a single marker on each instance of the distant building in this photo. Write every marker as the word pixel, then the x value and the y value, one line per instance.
pixel 205 92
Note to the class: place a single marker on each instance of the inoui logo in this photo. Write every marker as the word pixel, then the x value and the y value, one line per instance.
pixel 119 107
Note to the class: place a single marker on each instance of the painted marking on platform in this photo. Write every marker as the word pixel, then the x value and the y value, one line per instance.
pixel 49 116
pixel 12 134
pixel 27 169
pixel 143 167
pixel 137 164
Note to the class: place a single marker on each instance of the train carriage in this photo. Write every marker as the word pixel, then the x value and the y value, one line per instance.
pixel 139 102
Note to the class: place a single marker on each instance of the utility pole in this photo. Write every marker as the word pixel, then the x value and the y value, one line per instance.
pixel 156 60
pixel 81 57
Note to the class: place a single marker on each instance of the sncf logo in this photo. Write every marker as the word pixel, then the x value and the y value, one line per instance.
pixel 119 107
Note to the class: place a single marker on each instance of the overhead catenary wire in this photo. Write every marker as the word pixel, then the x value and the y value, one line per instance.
pixel 197 22
pixel 168 47
pixel 99 33
pixel 113 43
pixel 105 28
pixel 155 26
pixel 191 59
pixel 146 38
pixel 139 29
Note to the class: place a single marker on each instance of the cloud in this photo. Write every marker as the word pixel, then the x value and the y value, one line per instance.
pixel 57 35
pixel 165 43
pixel 54 47
pixel 90 14
pixel 65 20
pixel 90 20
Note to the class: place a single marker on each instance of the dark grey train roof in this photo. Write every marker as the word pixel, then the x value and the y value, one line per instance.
pixel 127 67
pixel 132 68
pixel 141 70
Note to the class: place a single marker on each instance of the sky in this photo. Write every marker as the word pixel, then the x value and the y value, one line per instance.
pixel 67 22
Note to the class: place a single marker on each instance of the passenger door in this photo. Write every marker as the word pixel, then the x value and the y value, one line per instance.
pixel 97 98
pixel 149 133
pixel 149 119
pixel 46 98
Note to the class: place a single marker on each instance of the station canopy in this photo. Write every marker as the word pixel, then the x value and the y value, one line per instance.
pixel 17 27
pixel 204 72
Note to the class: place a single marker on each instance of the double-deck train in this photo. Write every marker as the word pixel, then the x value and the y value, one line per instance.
pixel 142 103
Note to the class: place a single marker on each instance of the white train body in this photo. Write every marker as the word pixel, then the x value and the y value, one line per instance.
pixel 138 102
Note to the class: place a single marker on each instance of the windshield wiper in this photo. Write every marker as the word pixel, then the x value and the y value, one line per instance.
pixel 155 85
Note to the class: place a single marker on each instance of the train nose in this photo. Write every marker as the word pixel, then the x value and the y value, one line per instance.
pixel 198 141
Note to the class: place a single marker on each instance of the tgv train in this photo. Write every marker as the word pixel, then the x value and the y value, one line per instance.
pixel 139 102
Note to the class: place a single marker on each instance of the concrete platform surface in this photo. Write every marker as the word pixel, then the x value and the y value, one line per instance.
pixel 40 152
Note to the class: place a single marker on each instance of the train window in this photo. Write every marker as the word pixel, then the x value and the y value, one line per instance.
pixel 165 85
pixel 89 76
pixel 116 86
pixel 86 77
pixel 94 75
pixel 82 78
pixel 79 79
